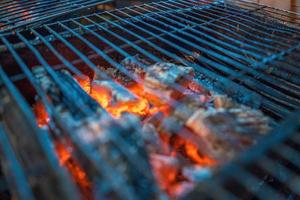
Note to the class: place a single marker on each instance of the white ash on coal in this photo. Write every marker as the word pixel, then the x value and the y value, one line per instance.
pixel 118 143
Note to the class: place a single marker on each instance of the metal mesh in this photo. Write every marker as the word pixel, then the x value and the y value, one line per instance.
pixel 269 170
pixel 241 47
pixel 246 50
pixel 16 14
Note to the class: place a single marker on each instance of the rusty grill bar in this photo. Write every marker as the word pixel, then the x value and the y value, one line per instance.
pixel 17 14
pixel 245 50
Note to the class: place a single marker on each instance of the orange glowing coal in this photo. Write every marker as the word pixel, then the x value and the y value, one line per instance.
pixel 154 100
pixel 166 171
pixel 190 151
pixel 79 176
pixel 103 95
pixel 84 82
pixel 41 114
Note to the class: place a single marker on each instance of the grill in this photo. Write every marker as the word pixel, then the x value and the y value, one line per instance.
pixel 247 51
pixel 17 14
pixel 268 171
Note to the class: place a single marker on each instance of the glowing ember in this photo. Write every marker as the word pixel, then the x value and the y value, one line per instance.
pixel 166 168
pixel 41 114
pixel 77 173
pixel 84 82
pixel 117 100
pixel 190 151
pixel 155 101
pixel 114 98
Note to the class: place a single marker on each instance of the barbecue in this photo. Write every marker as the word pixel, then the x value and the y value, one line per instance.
pixel 162 100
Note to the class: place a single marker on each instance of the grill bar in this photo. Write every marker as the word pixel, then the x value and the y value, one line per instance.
pixel 234 63
pixel 16 171
pixel 256 160
pixel 233 49
pixel 292 103
pixel 17 14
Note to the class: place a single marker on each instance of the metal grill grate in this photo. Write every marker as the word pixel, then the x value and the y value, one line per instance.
pixel 269 170
pixel 241 48
pixel 246 50
pixel 15 14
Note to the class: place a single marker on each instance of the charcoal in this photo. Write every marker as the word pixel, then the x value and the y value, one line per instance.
pixel 24 138
pixel 117 99
pixel 108 138
pixel 151 138
pixel 62 98
pixel 178 116
pixel 117 93
pixel 118 143
pixel 228 131
pixel 222 101
pixel 162 77
pixel 165 166
pixel 135 64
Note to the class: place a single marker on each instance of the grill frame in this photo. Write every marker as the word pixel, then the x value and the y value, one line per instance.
pixel 224 84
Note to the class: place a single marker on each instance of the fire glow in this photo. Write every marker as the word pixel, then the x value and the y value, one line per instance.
pixel 168 175
pixel 79 176
pixel 184 143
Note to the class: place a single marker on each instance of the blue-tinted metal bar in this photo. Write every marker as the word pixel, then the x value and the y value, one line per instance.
pixel 293 102
pixel 17 177
pixel 114 178
pixel 253 185
pixel 15 23
pixel 198 32
pixel 288 153
pixel 49 108
pixel 270 58
pixel 276 11
pixel 124 53
pixel 132 157
pixel 53 75
pixel 255 21
pixel 255 64
pixel 57 54
pixel 190 64
pixel 45 6
pixel 119 140
pixel 166 52
pixel 16 6
pixel 264 61
pixel 279 171
pixel 237 25
pixel 219 42
pixel 42 138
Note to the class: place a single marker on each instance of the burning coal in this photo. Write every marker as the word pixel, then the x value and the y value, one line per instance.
pixel 176 144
